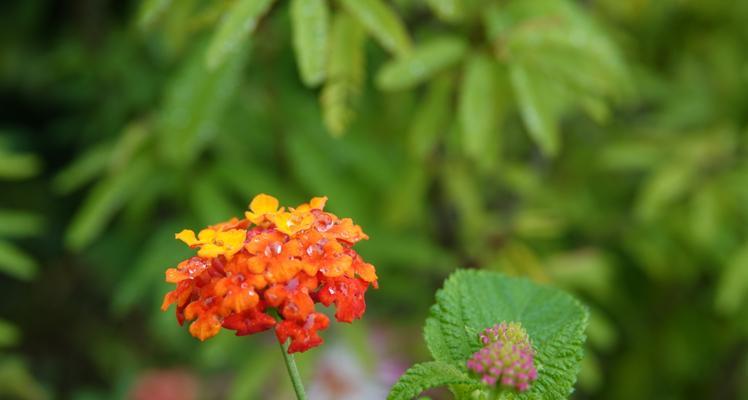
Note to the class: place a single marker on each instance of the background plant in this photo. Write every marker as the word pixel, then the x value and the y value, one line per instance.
pixel 605 155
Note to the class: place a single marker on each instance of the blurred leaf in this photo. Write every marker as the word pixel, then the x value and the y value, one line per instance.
pixel 196 100
pixel 381 22
pixel 706 214
pixel 104 200
pixel 237 24
pixel 431 118
pixel 16 382
pixel 83 169
pixel 463 192
pixel 538 112
pixel 590 373
pixel 9 334
pixel 586 269
pixel 601 332
pixel 16 263
pixel 417 252
pixel 250 380
pixel 662 188
pixel 474 300
pixel 251 180
pixel 159 252
pixel 16 166
pixel 345 73
pixel 404 204
pixel 427 375
pixel 150 11
pixel 420 65
pixel 537 223
pixel 629 154
pixel 132 139
pixel 448 10
pixel 732 287
pixel 15 224
pixel 310 20
pixel 210 202
pixel 480 104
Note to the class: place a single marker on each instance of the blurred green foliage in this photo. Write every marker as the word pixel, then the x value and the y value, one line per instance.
pixel 598 146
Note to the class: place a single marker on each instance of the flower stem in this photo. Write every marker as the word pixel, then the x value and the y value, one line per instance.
pixel 293 372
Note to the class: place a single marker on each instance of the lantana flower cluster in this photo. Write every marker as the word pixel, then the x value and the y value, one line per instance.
pixel 286 260
pixel 507 357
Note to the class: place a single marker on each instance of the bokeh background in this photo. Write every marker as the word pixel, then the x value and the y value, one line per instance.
pixel 599 146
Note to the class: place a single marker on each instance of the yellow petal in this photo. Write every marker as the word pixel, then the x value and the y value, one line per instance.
pixel 210 250
pixel 232 240
pixel 292 222
pixel 264 204
pixel 206 235
pixel 187 236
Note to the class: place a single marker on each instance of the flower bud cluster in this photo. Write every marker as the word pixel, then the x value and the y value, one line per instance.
pixel 507 358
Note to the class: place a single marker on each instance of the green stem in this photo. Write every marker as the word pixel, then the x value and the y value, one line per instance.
pixel 293 372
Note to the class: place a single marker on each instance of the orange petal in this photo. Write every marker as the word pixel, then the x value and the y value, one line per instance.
pixel 318 202
pixel 257 281
pixel 256 265
pixel 242 300
pixel 366 271
pixel 337 267
pixel 205 327
pixel 310 268
pixel 174 275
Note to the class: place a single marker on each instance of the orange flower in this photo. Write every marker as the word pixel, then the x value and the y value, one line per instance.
pixel 284 260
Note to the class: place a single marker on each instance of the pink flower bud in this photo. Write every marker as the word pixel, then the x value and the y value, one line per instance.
pixel 506 358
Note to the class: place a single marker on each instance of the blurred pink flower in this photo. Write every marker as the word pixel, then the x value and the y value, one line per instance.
pixel 165 384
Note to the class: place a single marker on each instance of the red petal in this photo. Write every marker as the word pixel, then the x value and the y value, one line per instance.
pixel 248 322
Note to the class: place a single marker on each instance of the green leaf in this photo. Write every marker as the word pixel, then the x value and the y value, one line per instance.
pixel 310 21
pixel 420 65
pixel 733 283
pixel 474 300
pixel 17 224
pixel 381 22
pixel 428 375
pixel 536 107
pixel 151 11
pixel 15 262
pixel 345 74
pixel 480 106
pixel 104 200
pixel 235 26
